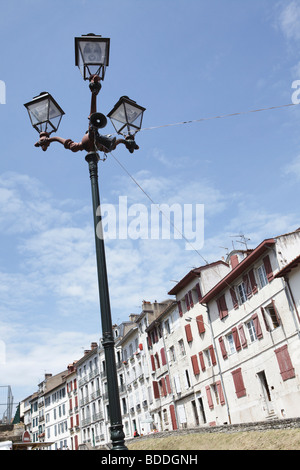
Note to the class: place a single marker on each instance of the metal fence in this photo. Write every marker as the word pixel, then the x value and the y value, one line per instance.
pixel 7 406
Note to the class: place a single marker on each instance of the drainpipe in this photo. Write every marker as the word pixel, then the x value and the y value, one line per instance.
pixel 290 298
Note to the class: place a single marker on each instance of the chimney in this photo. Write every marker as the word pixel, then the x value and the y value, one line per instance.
pixel 94 345
pixel 86 351
pixel 133 317
pixel 234 261
pixel 47 376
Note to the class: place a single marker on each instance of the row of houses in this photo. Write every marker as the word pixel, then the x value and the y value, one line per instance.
pixel 223 348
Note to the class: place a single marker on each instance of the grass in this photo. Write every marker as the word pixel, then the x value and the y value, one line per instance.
pixel 277 439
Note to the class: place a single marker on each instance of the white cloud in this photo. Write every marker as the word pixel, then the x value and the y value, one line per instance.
pixel 289 20
pixel 292 169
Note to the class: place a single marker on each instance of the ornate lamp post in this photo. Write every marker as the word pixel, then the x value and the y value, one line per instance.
pixel 92 57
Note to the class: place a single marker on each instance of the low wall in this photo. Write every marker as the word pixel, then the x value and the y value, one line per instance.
pixel 291 423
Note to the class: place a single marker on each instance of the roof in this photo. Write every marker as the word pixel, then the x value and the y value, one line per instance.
pixel 191 275
pixel 286 269
pixel 239 269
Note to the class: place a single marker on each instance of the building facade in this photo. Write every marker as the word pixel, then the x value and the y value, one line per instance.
pixel 223 349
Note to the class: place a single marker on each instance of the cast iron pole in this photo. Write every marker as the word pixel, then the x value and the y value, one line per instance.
pixel 116 429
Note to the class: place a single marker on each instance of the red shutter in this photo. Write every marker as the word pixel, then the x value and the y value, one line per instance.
pixel 223 310
pixel 265 319
pixel 77 420
pixel 173 417
pixel 191 298
pixel 163 357
pixel 168 384
pixel 200 323
pixel 234 298
pixel 253 281
pixel 164 389
pixel 152 362
pixel 236 339
pixel 188 332
pixel 155 389
pixel 76 402
pixel 67 388
pixel 71 422
pixel 202 363
pixel 149 341
pixel 195 365
pixel 287 370
pixel 179 308
pixel 212 355
pixel 155 335
pixel 223 348
pixel 70 404
pixel 240 389
pixel 76 442
pixel 257 326
pixel 268 268
pixel 242 336
pixel 220 392
pixel 198 292
pixel 209 398
pixel 75 384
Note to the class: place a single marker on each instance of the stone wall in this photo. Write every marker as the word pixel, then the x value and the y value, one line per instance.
pixel 11 432
pixel 229 428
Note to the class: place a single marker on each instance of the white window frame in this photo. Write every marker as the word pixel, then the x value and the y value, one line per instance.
pixel 231 344
pixel 262 276
pixel 242 292
pixel 251 331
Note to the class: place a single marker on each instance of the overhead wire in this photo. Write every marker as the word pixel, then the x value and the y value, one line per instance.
pixel 189 122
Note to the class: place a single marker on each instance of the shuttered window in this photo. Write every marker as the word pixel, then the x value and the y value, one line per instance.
pixel 173 417
pixel 287 370
pixel 168 384
pixel 253 281
pixel 223 347
pixel 152 362
pixel 155 389
pixel 179 308
pixel 234 298
pixel 242 336
pixel 209 397
pixel 200 324
pixel 212 355
pixel 198 292
pixel 195 365
pixel 202 363
pixel 163 357
pixel 190 294
pixel 236 339
pixel 223 310
pixel 268 268
pixel 220 392
pixel 188 332
pixel 257 326
pixel 240 389
pixel 187 301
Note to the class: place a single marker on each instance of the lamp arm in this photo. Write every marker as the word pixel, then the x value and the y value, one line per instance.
pixel 129 143
pixel 45 141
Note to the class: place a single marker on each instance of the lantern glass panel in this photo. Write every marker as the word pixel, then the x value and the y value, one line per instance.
pixel 127 116
pixel 45 114
pixel 92 53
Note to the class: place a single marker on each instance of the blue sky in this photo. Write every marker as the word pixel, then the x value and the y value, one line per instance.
pixel 183 60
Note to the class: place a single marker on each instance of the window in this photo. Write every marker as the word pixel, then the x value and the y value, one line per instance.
pixel 207 357
pixel 251 331
pixel 287 370
pixel 242 292
pixel 167 326
pixel 262 276
pixel 240 389
pixel 231 344
pixel 181 346
pixel 172 353
pixel 272 315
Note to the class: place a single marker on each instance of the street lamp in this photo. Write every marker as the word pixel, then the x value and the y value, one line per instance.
pixel 92 57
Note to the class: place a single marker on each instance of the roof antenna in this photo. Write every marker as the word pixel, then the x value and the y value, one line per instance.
pixel 243 240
